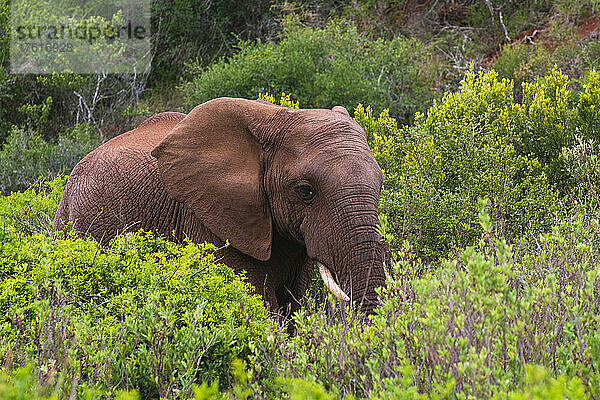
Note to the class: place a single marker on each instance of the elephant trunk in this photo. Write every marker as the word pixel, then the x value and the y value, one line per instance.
pixel 362 272
pixel 357 263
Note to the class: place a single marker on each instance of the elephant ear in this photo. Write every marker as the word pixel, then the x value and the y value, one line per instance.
pixel 212 162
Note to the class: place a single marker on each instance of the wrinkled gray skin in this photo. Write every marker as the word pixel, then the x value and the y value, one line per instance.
pixel 244 171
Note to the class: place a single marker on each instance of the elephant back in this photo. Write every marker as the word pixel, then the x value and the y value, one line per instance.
pixel 148 134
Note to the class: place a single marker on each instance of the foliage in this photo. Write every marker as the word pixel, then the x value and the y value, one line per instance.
pixel 66 99
pixel 203 31
pixel 582 165
pixel 490 202
pixel 26 156
pixel 498 321
pixel 562 41
pixel 31 212
pixel 285 100
pixel 21 385
pixel 539 384
pixel 463 149
pixel 142 313
pixel 551 120
pixel 323 67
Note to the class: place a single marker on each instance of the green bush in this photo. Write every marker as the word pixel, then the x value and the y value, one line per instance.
pixel 464 148
pixel 546 122
pixel 540 385
pixel 479 142
pixel 322 67
pixel 21 385
pixel 497 322
pixel 583 166
pixel 26 156
pixel 186 31
pixel 32 212
pixel 73 98
pixel 552 119
pixel 142 313
pixel 554 43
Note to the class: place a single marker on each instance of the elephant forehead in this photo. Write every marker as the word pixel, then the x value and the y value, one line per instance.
pixel 356 170
pixel 342 170
pixel 320 124
pixel 326 140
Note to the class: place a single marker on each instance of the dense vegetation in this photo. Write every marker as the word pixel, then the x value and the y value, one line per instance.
pixel 485 120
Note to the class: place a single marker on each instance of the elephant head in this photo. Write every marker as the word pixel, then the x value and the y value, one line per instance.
pixel 249 169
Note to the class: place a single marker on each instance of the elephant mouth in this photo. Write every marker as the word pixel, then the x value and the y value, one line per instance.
pixel 331 283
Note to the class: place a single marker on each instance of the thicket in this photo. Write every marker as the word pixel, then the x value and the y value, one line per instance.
pixel 489 205
pixel 470 328
pixel 322 67
pixel 26 157
pixel 510 312
pixel 48 122
pixel 526 158
pixel 142 313
pixel 203 31
pixel 567 40
pixel 398 55
pixel 148 318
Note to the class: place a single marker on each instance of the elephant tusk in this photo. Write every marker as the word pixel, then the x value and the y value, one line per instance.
pixel 330 283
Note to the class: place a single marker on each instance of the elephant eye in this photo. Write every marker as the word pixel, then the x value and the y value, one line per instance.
pixel 306 192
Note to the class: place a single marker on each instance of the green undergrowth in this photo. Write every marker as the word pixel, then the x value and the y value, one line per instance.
pixel 142 313
pixel 322 67
pixel 499 321
pixel 148 318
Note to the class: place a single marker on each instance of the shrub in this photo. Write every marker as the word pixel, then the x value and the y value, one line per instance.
pixel 546 121
pixel 142 313
pixel 21 385
pixel 32 211
pixel 552 43
pixel 583 167
pixel 499 320
pixel 323 67
pixel 90 98
pixel 187 31
pixel 587 107
pixel 463 149
pixel 552 120
pixel 26 156
pixel 75 99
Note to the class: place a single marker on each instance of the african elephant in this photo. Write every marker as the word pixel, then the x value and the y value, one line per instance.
pixel 285 187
